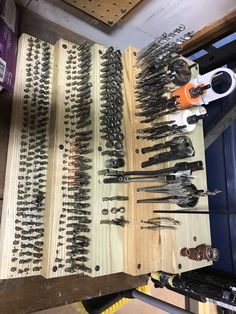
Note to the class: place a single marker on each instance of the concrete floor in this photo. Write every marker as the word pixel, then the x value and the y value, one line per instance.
pixel 133 306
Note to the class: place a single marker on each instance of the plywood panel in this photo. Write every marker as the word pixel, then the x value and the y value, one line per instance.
pixel 109 12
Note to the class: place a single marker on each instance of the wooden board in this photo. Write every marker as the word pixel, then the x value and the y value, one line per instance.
pixel 109 12
pixel 141 248
pixel 210 33
pixel 106 242
pixel 111 248
pixel 146 250
pixel 31 294
pixel 12 203
pixel 106 249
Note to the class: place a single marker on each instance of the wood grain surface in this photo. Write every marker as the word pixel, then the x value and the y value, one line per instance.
pixel 147 250
pixel 109 12
pixel 106 242
pixel 210 33
pixel 13 172
pixel 27 295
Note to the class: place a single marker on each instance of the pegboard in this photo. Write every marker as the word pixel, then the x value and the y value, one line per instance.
pixel 108 12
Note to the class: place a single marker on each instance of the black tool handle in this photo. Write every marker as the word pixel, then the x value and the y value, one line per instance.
pixel 112 180
pixel 152 148
pixel 194 166
pixel 149 163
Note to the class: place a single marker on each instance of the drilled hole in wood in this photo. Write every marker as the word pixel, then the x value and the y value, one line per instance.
pixel 64 46
pixel 97 267
pixel 135 53
pixel 84 6
pixel 99 5
pixel 194 238
pixel 101 16
pixel 108 10
pixel 92 11
pixel 179 266
pixel 130 2
pixel 137 151
pixel 61 146
pixel 54 269
pixel 114 3
pixel 116 15
pixel 74 1
pixel 139 266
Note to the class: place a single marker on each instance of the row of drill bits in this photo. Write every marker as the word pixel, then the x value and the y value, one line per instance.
pixel 112 108
pixel 111 75
pixel 160 65
pixel 154 85
pixel 29 223
pixel 73 240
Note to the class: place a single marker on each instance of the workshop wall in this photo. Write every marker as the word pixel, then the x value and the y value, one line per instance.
pixel 146 21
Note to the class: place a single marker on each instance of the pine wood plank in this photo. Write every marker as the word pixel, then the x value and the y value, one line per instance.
pixel 11 197
pixel 147 250
pixel 106 242
pixel 106 250
pixel 141 247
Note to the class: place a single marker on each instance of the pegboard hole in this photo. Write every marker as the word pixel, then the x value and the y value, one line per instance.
pixel 108 10
pixel 54 269
pixel 61 146
pixel 195 238
pixel 97 267
pixel 179 266
pixel 64 46
pixel 139 266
